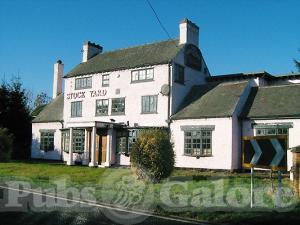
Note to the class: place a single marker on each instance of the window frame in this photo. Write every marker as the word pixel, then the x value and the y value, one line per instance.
pixel 105 80
pixel 198 140
pixel 122 139
pixel 78 143
pixel 65 140
pixel 76 114
pixel 48 144
pixel 80 81
pixel 112 104
pixel 177 78
pixel 102 114
pixel 155 97
pixel 139 79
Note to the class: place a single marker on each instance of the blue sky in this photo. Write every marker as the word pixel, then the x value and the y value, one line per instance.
pixel 235 35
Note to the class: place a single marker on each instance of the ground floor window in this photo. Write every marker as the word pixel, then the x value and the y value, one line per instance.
pixel 272 129
pixel 78 140
pixel 198 142
pixel 47 140
pixel 65 140
pixel 126 140
pixel 122 141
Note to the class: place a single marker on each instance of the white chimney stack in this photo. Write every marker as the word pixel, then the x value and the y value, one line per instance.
pixel 188 33
pixel 89 50
pixel 57 78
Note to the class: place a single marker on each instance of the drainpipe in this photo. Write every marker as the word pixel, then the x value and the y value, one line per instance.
pixel 61 150
pixel 169 96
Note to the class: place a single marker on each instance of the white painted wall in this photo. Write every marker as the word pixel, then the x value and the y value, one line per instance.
pixel 294 132
pixel 221 144
pixel 132 92
pixel 36 153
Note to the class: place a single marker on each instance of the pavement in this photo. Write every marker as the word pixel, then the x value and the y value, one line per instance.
pixel 30 210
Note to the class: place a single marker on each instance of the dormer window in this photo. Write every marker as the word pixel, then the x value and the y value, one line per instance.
pixel 179 74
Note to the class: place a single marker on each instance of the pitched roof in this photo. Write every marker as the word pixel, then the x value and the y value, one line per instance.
pixel 273 102
pixel 139 56
pixel 288 76
pixel 53 112
pixel 211 100
pixel 239 76
pixel 37 110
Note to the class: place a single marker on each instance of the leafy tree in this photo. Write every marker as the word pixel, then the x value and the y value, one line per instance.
pixel 15 116
pixel 41 99
pixel 152 155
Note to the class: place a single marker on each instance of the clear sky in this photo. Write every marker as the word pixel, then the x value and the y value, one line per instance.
pixel 235 35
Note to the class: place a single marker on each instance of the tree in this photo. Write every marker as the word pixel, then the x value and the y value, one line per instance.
pixel 41 99
pixel 152 155
pixel 6 144
pixel 297 64
pixel 15 116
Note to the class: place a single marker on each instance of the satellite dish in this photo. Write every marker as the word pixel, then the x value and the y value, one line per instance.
pixel 165 89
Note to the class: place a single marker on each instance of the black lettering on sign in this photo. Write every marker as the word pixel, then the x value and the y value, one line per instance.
pixel 98 93
pixel 76 95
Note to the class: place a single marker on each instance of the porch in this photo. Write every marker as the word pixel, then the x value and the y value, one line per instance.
pixel 91 144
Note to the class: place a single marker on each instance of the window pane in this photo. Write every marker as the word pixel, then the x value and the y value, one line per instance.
pixel 149 104
pixel 197 143
pixel 82 83
pixel 78 140
pixel 47 141
pixel 118 106
pixel 102 107
pixel 76 109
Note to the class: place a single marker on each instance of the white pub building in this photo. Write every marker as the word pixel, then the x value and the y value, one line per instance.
pixel 110 97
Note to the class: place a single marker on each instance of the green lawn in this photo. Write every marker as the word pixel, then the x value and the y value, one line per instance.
pixel 213 196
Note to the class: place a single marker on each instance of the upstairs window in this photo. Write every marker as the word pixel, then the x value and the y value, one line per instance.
pixel 76 109
pixel 105 80
pixel 102 107
pixel 118 106
pixel 179 74
pixel 142 75
pixel 83 83
pixel 149 104
pixel 47 140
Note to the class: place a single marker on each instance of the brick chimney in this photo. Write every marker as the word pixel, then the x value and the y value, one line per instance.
pixel 188 33
pixel 89 50
pixel 57 78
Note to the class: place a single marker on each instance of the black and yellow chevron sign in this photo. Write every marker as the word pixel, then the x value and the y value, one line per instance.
pixel 269 152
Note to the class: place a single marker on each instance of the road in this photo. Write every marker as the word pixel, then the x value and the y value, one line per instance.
pixel 79 213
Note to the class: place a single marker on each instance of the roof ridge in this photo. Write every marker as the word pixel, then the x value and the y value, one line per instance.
pixel 142 45
pixel 280 85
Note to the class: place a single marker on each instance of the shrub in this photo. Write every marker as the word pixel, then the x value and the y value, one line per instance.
pixel 6 144
pixel 152 155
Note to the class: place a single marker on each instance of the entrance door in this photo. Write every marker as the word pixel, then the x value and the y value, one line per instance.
pixel 101 145
pixel 103 148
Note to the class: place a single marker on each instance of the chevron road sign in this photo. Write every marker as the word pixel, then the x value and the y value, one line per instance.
pixel 267 152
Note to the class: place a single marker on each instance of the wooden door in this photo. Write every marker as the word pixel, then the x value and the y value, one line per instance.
pixel 103 148
pixel 97 153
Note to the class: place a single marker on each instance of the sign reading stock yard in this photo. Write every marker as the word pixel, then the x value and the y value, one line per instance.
pixel 268 152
